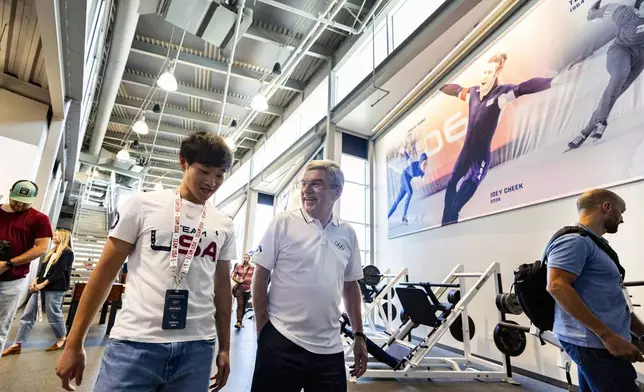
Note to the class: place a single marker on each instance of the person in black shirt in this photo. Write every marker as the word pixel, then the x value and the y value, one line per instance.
pixel 49 287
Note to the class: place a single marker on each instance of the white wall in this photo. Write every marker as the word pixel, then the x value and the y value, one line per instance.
pixel 23 132
pixel 510 238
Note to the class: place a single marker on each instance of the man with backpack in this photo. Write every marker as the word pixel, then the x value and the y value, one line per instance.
pixel 592 319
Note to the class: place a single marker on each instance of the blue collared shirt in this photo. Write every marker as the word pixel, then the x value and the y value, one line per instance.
pixel 598 284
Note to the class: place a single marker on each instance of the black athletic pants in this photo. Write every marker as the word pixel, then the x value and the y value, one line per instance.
pixel 283 366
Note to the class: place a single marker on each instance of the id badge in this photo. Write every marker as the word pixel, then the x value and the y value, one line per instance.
pixel 175 309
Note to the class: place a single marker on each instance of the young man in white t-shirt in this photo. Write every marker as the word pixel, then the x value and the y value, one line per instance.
pixel 178 292
pixel 313 261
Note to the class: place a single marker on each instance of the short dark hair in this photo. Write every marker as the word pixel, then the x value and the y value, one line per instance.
pixel 594 198
pixel 208 149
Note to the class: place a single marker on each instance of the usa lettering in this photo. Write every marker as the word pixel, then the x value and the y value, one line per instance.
pixel 184 245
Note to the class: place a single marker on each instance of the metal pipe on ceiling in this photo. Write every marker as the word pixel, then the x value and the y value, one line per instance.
pixel 328 22
pixel 126 19
pixel 295 58
pixel 231 59
pixel 304 14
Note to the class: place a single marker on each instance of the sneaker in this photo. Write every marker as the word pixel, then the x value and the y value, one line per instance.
pixel 598 131
pixel 404 220
pixel 577 142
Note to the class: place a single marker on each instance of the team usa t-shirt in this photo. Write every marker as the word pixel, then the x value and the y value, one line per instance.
pixel 146 220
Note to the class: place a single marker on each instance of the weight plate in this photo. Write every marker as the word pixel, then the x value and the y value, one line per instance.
pixel 510 341
pixel 508 303
pixel 394 311
pixel 454 296
pixel 511 303
pixel 456 329
pixel 371 275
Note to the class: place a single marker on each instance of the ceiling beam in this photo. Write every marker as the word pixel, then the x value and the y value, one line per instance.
pixel 159 157
pixel 49 23
pixel 31 91
pixel 283 40
pixel 171 179
pixel 185 114
pixel 147 141
pixel 196 61
pixel 193 92
pixel 152 125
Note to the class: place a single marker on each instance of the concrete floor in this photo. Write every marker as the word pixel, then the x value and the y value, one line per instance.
pixel 33 370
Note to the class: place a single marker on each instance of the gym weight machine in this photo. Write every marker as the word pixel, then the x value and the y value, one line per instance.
pixel 399 358
pixel 511 338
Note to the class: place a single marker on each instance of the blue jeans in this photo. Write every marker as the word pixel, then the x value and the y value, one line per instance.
pixel 53 304
pixel 600 371
pixel 156 367
pixel 9 295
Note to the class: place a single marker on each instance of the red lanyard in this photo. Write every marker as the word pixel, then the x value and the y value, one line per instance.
pixel 174 251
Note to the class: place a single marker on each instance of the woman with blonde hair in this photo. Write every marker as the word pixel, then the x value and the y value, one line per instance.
pixel 49 287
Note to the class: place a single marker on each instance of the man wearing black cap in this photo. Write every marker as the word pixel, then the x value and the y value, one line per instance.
pixel 24 236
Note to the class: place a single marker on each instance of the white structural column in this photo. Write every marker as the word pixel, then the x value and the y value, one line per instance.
pixel 127 17
pixel 48 158
pixel 48 12
pixel 372 202
pixel 58 203
pixel 333 141
pixel 251 206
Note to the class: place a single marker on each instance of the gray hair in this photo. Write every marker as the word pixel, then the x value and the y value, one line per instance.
pixel 331 168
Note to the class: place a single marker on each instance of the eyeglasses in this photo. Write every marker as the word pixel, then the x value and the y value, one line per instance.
pixel 316 185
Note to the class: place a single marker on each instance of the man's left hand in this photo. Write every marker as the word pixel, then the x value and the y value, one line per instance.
pixel 361 357
pixel 3 267
pixel 223 370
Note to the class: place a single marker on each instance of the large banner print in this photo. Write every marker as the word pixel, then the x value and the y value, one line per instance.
pixel 553 107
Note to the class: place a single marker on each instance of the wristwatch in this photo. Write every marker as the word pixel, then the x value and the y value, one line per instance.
pixel 360 334
pixel 9 264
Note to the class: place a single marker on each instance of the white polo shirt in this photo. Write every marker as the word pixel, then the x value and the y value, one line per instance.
pixel 309 266
pixel 146 220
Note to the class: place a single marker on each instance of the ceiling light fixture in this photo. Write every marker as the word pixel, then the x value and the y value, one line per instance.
pixel 156 108
pixel 259 103
pixel 167 81
pixel 277 69
pixel 140 126
pixel 158 186
pixel 233 123
pixel 123 155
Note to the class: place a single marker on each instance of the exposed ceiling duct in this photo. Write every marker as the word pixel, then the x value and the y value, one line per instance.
pixel 214 21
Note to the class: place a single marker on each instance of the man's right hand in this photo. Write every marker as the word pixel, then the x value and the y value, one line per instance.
pixel 71 365
pixel 3 267
pixel 621 348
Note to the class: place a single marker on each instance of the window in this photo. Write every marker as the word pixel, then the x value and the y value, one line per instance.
pixel 263 217
pixel 305 116
pixel 409 16
pixel 389 34
pixel 361 63
pixel 354 202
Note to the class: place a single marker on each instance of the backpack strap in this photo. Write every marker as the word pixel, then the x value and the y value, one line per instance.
pixel 600 242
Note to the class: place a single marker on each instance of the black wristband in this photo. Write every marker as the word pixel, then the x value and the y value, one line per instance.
pixel 9 264
pixel 360 334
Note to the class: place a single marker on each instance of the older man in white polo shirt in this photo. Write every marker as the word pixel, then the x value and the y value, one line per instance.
pixel 313 261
